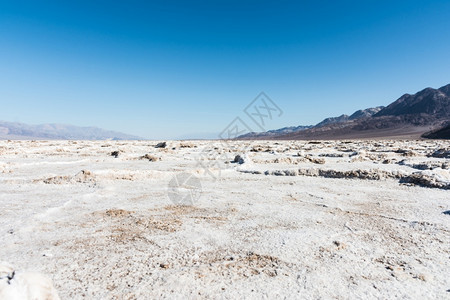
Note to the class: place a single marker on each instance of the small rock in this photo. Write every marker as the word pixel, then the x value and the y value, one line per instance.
pixel 409 153
pixel 441 153
pixel 340 245
pixel 150 157
pixel 164 266
pixel 402 162
pixel 256 149
pixel 229 258
pixel 239 159
pixel 425 277
pixel 314 160
pixel 115 153
pixel 161 145
pixel 84 176
pixel 187 145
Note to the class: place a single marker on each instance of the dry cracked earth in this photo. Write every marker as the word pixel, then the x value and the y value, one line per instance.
pixel 263 219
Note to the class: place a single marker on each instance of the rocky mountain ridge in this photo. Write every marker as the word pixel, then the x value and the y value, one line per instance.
pixel 410 116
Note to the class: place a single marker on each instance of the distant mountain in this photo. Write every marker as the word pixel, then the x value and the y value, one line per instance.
pixel 332 120
pixel 13 130
pixel 411 116
pixel 281 131
pixel 364 113
pixel 427 101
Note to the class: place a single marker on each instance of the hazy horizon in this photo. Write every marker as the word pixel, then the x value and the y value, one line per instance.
pixel 172 70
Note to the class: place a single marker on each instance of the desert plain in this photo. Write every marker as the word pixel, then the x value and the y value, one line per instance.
pixel 255 219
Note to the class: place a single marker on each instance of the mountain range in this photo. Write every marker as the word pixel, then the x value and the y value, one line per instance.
pixel 424 114
pixel 362 113
pixel 276 132
pixel 14 130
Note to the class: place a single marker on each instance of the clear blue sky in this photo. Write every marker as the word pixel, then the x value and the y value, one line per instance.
pixel 172 69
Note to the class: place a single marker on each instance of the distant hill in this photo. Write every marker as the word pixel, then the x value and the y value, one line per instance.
pixel 364 113
pixel 411 116
pixel 332 120
pixel 270 133
pixel 440 133
pixel 428 101
pixel 13 130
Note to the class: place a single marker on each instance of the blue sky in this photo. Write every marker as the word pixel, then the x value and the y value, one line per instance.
pixel 185 69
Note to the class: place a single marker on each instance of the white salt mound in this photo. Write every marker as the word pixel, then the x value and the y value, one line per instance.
pixel 16 285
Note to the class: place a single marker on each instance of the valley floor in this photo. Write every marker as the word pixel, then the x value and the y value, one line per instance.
pixel 330 219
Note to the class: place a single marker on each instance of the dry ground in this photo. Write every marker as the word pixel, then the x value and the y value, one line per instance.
pixel 330 219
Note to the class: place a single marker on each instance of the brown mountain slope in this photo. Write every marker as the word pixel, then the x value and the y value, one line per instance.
pixel 408 126
pixel 435 102
pixel 410 116
pixel 441 133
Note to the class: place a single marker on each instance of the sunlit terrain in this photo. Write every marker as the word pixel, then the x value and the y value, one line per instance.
pixel 287 219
